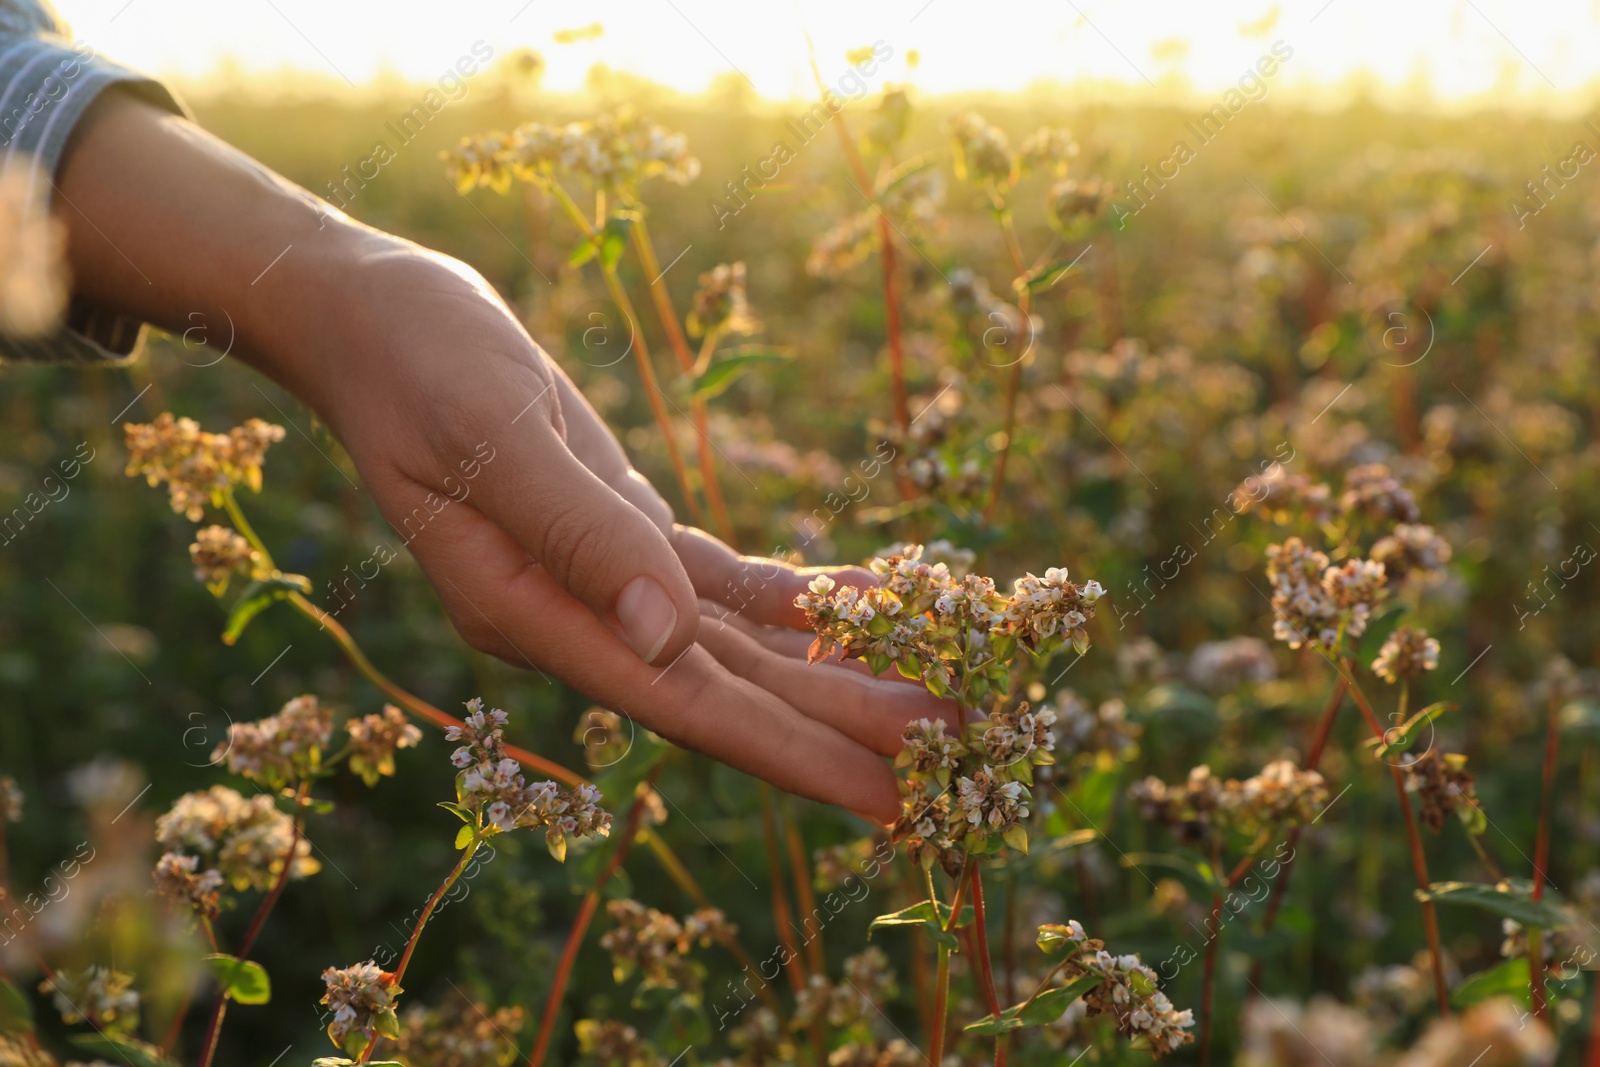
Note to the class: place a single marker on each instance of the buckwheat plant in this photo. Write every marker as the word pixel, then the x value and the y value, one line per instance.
pixel 492 798
pixel 1346 602
pixel 965 790
pixel 1120 988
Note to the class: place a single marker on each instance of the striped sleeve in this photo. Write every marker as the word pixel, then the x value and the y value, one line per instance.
pixel 47 82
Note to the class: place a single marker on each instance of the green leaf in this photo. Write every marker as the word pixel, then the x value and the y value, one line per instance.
pixel 457 810
pixel 1507 899
pixel 1509 979
pixel 1399 738
pixel 257 597
pixel 923 914
pixel 244 981
pixel 990 1025
pixel 16 1015
pixel 463 837
pixel 1379 627
pixel 1045 277
pixel 614 238
pixel 715 379
pixel 583 252
pixel 1043 1010
pixel 1048 1006
pixel 126 1049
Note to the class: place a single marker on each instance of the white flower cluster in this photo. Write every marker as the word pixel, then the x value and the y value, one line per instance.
pixel 362 998
pixel 1128 991
pixel 955 634
pixel 1086 731
pixel 1204 804
pixel 1317 603
pixel 1408 652
pixel 281 748
pixel 246 841
pixel 99 996
pixel 1412 549
pixel 491 784
pixel 614 151
pixel 1223 666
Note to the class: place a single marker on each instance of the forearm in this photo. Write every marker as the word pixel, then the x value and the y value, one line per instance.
pixel 169 224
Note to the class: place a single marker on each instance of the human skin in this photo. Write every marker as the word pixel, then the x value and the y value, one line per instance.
pixel 565 558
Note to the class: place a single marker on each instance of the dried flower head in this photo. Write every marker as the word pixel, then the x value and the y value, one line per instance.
pixel 1283 498
pixel 836 866
pixel 720 305
pixel 460 1033
pixel 1073 203
pixel 842 247
pixel 282 748
pixel 604 735
pixel 220 554
pixel 867 981
pixel 1049 148
pixel 361 998
pixel 1412 550
pixel 1443 786
pixel 1090 732
pixel 10 799
pixel 490 787
pixel 656 945
pixel 247 841
pixel 614 1044
pixel 1323 1031
pixel 374 739
pixel 1203 804
pixel 1406 653
pixel 33 267
pixel 176 878
pixel 99 996
pixel 1495 1032
pixel 198 467
pixel 982 152
pixel 1223 666
pixel 1373 491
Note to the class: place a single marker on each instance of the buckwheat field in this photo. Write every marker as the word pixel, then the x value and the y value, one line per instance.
pixel 1228 471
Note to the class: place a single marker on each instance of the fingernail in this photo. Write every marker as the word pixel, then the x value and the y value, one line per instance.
pixel 647 616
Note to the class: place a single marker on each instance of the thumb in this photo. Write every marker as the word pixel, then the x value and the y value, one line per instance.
pixel 601 548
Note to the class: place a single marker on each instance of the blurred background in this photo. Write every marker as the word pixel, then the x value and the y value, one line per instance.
pixel 1386 253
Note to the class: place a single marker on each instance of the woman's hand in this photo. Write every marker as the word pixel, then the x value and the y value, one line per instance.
pixel 546 547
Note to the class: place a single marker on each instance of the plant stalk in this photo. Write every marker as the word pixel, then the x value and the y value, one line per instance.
pixel 1419 861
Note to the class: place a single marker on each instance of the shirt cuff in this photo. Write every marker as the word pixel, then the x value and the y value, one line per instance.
pixel 46 86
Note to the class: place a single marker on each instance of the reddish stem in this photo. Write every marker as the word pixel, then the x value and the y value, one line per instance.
pixel 1419 861
pixel 219 1007
pixel 415 704
pixel 891 293
pixel 980 930
pixel 1209 984
pixel 591 902
pixel 1319 743
pixel 1593 1057
pixel 1541 857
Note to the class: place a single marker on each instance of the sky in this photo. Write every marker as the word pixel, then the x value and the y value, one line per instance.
pixel 1443 52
